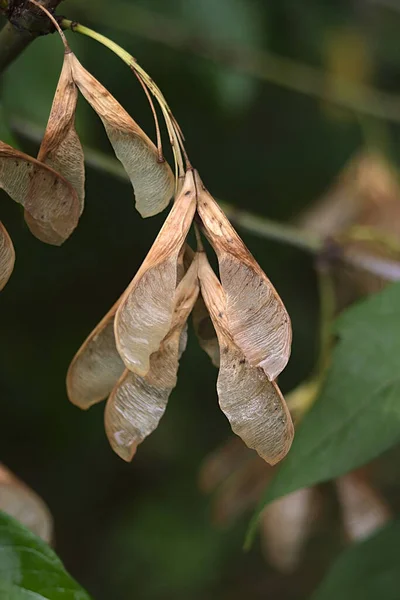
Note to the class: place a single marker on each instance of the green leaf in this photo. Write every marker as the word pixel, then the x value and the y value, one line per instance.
pixel 357 416
pixel 29 569
pixel 366 571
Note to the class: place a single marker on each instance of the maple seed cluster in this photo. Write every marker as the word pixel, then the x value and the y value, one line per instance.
pixel 132 356
pixel 51 187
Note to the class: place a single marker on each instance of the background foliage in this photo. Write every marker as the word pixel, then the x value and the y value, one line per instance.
pixel 143 530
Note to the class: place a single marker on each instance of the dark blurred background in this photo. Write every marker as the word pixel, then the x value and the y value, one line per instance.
pixel 142 530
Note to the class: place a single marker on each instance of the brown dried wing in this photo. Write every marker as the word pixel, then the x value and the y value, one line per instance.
pixel 22 503
pixel 137 403
pixel 241 491
pixel 258 320
pixel 363 508
pixel 7 256
pixel 222 462
pixel 61 149
pixel 97 366
pixel 285 527
pixel 152 180
pixel 49 198
pixel 145 313
pixel 253 405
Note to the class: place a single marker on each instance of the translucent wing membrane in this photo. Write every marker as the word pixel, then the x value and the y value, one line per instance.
pixel 22 503
pixel 258 320
pixel 96 366
pixel 50 199
pixel 7 256
pixel 152 180
pixel 253 405
pixel 137 403
pixel 146 310
pixel 61 149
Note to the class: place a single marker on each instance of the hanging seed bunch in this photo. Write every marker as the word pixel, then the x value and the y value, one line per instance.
pixel 51 188
pixel 132 356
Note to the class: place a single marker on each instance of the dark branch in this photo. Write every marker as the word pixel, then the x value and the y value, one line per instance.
pixel 25 23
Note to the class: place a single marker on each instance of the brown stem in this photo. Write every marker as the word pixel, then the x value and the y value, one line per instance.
pixel 26 22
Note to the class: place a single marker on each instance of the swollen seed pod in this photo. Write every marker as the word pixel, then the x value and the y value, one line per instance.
pixel 7 256
pixel 252 403
pixel 152 180
pixel 61 149
pixel 50 199
pixel 145 313
pixel 257 318
pixel 97 366
pixel 137 403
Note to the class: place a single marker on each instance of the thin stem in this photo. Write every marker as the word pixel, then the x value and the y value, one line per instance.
pixel 128 59
pixel 15 37
pixel 53 20
pixel 155 117
pixel 362 233
pixel 385 268
pixel 273 230
pixel 246 221
pixel 260 64
pixel 102 39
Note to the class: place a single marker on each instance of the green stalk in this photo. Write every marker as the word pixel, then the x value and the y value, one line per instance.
pixel 173 130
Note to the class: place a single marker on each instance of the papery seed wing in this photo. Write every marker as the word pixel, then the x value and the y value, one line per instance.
pixel 7 256
pixel 363 508
pixel 285 527
pixel 49 198
pixel 253 405
pixel 97 366
pixel 241 491
pixel 137 403
pixel 145 313
pixel 258 320
pixel 22 503
pixel 61 149
pixel 152 180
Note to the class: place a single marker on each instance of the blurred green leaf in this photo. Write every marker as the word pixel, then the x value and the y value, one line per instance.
pixel 366 571
pixel 30 569
pixel 358 414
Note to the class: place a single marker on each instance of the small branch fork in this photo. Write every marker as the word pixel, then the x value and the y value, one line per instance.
pixel 25 23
